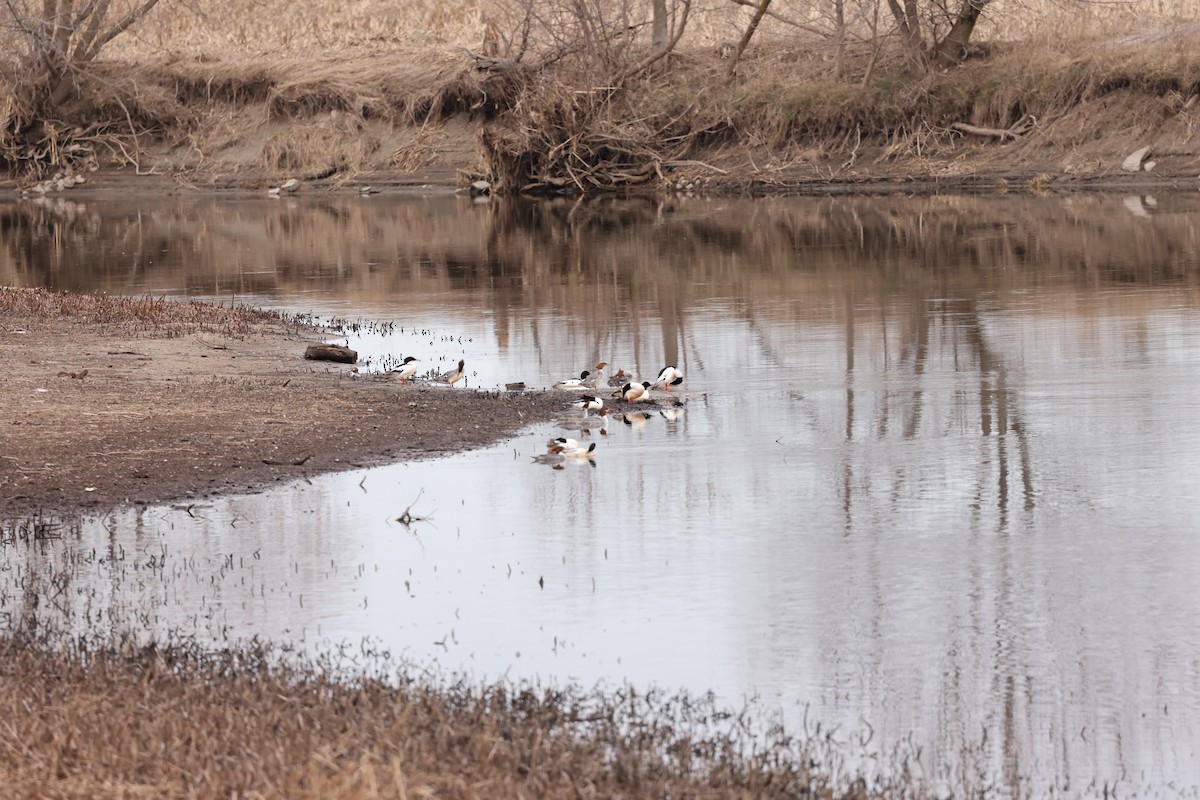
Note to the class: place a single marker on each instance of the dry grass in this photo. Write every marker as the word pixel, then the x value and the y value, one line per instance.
pixel 143 316
pixel 122 720
pixel 237 28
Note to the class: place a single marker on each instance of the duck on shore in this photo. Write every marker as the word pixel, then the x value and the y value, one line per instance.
pixel 574 384
pixel 669 376
pixel 455 375
pixel 594 377
pixel 619 379
pixel 406 370
pixel 588 402
pixel 636 392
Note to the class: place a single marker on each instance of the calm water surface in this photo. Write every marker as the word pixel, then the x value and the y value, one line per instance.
pixel 938 473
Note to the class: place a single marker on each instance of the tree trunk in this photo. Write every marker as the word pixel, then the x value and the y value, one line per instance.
pixel 953 49
pixel 909 23
pixel 658 25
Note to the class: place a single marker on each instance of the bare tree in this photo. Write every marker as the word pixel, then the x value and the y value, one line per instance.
pixel 56 39
pixel 952 49
pixel 960 15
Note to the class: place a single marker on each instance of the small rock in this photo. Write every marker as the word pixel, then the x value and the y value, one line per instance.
pixel 1133 161
pixel 481 187
pixel 290 185
pixel 1149 165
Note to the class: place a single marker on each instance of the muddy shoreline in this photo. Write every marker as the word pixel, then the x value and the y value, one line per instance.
pixel 1022 179
pixel 193 413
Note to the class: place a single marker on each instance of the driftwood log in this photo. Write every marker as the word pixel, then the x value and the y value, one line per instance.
pixel 331 352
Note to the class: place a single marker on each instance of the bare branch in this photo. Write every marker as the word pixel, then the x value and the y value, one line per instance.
pixel 745 40
pixel 662 52
pixel 120 27
pixel 783 19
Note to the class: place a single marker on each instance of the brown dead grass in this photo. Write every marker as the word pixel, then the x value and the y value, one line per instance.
pixel 121 720
pixel 134 316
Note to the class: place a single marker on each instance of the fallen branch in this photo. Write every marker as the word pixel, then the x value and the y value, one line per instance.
pixel 407 518
pixel 1020 128
pixel 974 130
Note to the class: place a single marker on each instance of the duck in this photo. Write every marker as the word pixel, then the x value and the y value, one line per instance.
pixel 406 370
pixel 453 376
pixel 574 384
pixel 594 377
pixel 580 452
pixel 588 402
pixel 669 376
pixel 554 456
pixel 636 392
pixel 562 443
pixel 620 379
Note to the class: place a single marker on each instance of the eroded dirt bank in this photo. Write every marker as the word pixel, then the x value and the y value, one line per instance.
pixel 192 405
pixel 1023 118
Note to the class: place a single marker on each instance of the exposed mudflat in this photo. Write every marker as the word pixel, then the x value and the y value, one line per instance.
pixel 162 418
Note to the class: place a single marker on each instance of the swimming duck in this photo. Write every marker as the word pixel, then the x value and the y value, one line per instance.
pixel 589 402
pixel 562 443
pixel 636 392
pixel 453 376
pixel 595 376
pixel 620 379
pixel 574 384
pixel 580 452
pixel 553 457
pixel 406 370
pixel 668 377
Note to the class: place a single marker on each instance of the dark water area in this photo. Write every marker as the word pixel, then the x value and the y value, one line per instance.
pixel 937 476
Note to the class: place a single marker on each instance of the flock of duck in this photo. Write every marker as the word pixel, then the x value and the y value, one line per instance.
pixel 579 416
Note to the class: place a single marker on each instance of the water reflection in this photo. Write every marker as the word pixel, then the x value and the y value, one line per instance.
pixel 938 471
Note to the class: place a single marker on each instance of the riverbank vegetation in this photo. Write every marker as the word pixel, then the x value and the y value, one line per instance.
pixel 544 95
pixel 177 720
